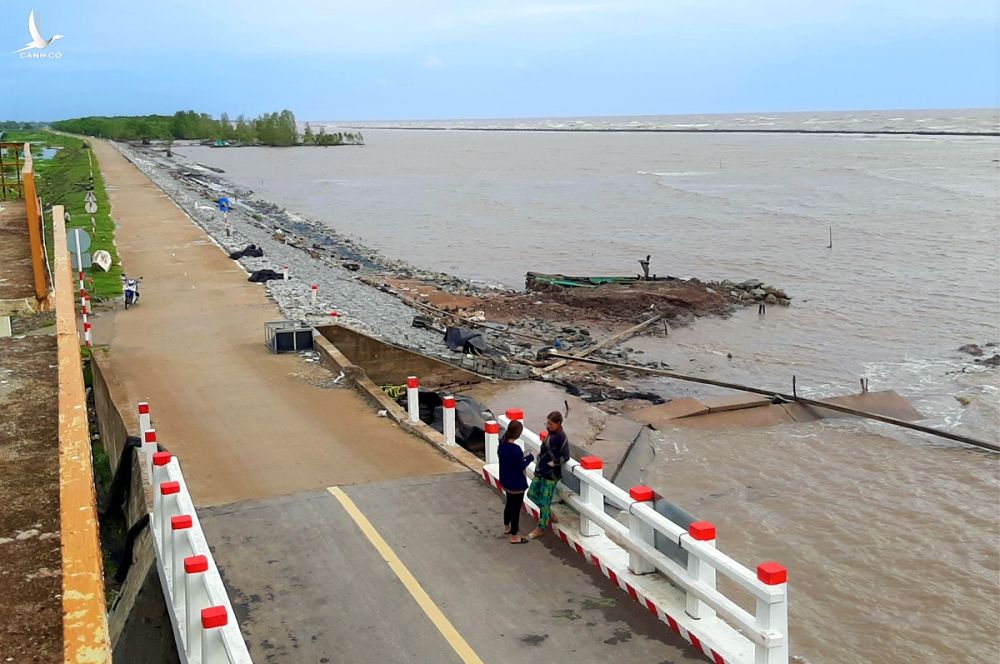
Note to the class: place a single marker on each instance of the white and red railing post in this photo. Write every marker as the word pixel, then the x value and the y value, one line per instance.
pixel 492 436
pixel 772 615
pixel 177 552
pixel 699 571
pixel 149 447
pixel 592 466
pixel 158 477
pixel 413 398
pixel 641 531
pixel 212 648
pixel 145 423
pixel 195 599
pixel 315 293
pixel 168 496
pixel 516 414
pixel 448 420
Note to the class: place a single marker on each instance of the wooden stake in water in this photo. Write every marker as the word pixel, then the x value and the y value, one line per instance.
pixel 830 246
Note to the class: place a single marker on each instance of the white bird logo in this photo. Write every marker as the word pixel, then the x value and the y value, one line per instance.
pixel 37 40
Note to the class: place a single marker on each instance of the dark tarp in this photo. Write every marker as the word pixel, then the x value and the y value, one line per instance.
pixel 265 275
pixel 465 340
pixel 253 250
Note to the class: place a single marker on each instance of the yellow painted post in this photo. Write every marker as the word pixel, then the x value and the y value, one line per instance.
pixel 34 229
pixel 85 620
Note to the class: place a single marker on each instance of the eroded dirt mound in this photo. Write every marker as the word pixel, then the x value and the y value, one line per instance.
pixel 611 302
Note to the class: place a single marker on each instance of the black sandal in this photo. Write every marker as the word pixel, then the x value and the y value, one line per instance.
pixel 520 540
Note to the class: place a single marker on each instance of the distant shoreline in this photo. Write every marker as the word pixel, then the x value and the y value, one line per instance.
pixel 650 130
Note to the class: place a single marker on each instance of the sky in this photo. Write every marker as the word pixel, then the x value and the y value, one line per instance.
pixel 380 60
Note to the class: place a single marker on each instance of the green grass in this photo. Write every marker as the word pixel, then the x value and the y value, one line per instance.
pixel 64 180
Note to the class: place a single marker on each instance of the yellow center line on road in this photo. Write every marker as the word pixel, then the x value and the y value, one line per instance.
pixel 448 631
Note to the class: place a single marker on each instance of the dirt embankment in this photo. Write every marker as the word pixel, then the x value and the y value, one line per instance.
pixel 612 304
pixel 30 561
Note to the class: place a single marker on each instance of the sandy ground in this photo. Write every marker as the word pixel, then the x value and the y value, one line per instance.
pixel 244 422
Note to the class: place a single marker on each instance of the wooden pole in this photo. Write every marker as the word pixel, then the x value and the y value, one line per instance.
pixel 968 440
pixel 34 221
pixel 604 343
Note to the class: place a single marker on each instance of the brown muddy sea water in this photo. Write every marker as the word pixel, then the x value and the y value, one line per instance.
pixel 892 538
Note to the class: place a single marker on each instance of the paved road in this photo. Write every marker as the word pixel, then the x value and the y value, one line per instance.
pixel 340 538
pixel 244 422
pixel 344 603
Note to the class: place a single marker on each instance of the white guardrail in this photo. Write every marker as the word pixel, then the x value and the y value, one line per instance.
pixel 765 631
pixel 767 627
pixel 201 615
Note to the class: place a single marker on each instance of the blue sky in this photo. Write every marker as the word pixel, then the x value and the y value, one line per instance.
pixel 376 60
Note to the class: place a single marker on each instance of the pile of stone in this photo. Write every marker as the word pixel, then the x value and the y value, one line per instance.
pixel 754 290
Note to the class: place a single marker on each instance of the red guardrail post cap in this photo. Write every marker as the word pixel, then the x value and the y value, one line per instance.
pixel 492 427
pixel 772 573
pixel 169 488
pixel 181 521
pixel 150 436
pixel 703 531
pixel 515 414
pixel 642 494
pixel 448 402
pixel 161 458
pixel 591 463
pixel 143 408
pixel 214 616
pixel 413 381
pixel 195 564
pixel 543 434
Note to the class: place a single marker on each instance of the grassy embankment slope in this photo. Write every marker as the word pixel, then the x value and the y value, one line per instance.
pixel 64 180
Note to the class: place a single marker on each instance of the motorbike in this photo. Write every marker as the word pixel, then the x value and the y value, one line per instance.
pixel 130 290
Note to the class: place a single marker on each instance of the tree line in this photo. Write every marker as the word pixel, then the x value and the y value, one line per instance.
pixel 272 129
pixel 337 138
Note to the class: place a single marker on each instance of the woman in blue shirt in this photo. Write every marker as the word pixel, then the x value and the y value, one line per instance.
pixel 513 461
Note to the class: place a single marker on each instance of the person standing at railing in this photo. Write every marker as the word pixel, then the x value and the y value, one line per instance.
pixel 548 471
pixel 513 461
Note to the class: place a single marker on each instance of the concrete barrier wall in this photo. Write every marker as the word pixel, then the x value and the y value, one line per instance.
pixel 85 620
pixel 386 364
pixel 111 423
pixel 137 621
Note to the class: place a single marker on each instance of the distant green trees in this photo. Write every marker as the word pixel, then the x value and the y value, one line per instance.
pixel 13 125
pixel 323 138
pixel 276 129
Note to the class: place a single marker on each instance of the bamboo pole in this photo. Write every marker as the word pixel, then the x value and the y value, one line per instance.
pixel 968 440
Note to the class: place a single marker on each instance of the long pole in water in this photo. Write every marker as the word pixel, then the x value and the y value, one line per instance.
pixel 788 397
